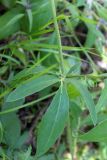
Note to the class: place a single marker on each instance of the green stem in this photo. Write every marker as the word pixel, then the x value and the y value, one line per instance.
pixel 58 35
pixel 27 104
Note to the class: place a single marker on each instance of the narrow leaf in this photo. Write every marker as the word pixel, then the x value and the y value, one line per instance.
pixel 31 87
pixel 87 99
pixel 53 122
pixel 30 18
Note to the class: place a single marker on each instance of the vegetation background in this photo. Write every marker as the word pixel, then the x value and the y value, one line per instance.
pixel 53 80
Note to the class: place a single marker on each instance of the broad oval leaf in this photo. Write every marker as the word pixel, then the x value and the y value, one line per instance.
pixel 53 122
pixel 97 134
pixel 87 99
pixel 31 87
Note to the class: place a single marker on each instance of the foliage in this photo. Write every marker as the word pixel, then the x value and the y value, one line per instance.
pixel 49 104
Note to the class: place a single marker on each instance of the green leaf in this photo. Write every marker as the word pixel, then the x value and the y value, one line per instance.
pixel 72 91
pixel 91 38
pixel 52 59
pixel 31 87
pixel 26 4
pixel 87 99
pixel 75 112
pixel 9 22
pixel 101 10
pixel 39 9
pixel 11 124
pixel 30 18
pixel 26 155
pixel 53 122
pixel 22 140
pixel 47 157
pixel 80 3
pixel 103 98
pixel 97 134
pixel 12 130
pixel 74 13
pixel 3 69
pixel 8 3
pixel 1 132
